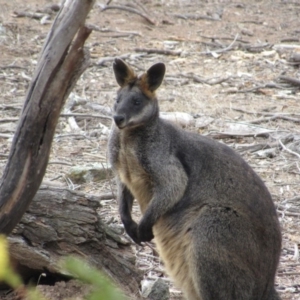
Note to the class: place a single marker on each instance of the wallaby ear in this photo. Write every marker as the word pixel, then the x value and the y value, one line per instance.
pixel 155 76
pixel 123 73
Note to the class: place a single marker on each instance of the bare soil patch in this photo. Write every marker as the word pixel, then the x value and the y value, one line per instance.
pixel 233 66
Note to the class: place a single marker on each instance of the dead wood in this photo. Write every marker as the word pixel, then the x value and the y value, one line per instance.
pixel 275 117
pixel 223 135
pixel 158 51
pixel 62 222
pixel 197 17
pixel 290 80
pixel 85 116
pixel 228 48
pixel 209 81
pixel 264 113
pixel 295 58
pixel 27 14
pixel 213 38
pixel 263 146
pixel 129 9
pixel 60 65
pixel 114 31
pixel 270 116
pixel 289 150
pixel 257 89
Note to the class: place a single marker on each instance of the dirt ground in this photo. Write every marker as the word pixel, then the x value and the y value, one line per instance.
pixel 232 65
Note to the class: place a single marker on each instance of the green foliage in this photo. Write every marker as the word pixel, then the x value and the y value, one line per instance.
pixel 7 274
pixel 102 287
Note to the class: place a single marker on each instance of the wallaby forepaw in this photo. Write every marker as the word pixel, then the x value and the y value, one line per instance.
pixel 145 233
pixel 132 231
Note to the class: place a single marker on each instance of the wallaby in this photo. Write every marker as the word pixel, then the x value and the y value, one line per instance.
pixel 212 217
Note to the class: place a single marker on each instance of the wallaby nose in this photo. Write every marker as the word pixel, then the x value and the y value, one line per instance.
pixel 119 119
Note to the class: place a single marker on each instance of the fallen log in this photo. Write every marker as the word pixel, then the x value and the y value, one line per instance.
pixel 62 222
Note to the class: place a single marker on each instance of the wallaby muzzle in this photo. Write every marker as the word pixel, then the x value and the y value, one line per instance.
pixel 119 120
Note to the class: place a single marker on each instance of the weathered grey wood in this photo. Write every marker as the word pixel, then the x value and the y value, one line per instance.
pixel 60 65
pixel 61 222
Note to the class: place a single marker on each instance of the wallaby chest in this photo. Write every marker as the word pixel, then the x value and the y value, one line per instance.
pixel 133 175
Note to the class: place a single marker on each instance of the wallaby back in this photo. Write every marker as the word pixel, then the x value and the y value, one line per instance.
pixel 213 219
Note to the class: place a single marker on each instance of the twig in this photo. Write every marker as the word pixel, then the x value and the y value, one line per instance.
pixel 251 148
pixel 106 59
pixel 9 120
pixel 291 80
pixel 105 30
pixel 290 40
pixel 262 113
pixel 263 146
pixel 195 17
pixel 256 89
pixel 255 48
pixel 152 248
pixel 84 116
pixel 294 199
pixel 285 46
pixel 27 14
pixel 222 135
pixel 288 150
pixel 12 67
pixel 6 136
pixel 253 22
pixel 158 51
pixel 140 5
pixel 274 117
pixel 222 50
pixel 289 274
pixel 288 213
pixel 132 10
pixel 262 120
pixel 180 39
pixel 222 38
pixel 211 81
pixel 55 162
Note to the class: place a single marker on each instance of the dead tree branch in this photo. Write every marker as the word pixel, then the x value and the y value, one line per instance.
pixel 60 65
pixel 129 9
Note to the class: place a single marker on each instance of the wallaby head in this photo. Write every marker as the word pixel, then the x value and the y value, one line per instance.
pixel 136 103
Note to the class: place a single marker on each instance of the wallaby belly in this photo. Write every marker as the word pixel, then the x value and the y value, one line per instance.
pixel 175 249
pixel 133 175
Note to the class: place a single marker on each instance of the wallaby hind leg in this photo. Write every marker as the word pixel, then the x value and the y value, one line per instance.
pixel 228 259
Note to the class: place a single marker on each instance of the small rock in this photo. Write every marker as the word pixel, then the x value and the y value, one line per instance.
pixel 155 290
pixel 93 173
pixel 267 153
pixel 180 118
pixel 203 121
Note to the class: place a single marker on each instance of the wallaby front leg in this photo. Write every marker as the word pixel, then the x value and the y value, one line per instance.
pixel 169 188
pixel 125 199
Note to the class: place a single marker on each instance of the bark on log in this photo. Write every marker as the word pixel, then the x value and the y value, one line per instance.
pixel 61 222
pixel 60 65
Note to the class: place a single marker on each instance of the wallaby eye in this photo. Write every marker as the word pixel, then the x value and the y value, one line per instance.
pixel 118 100
pixel 137 101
